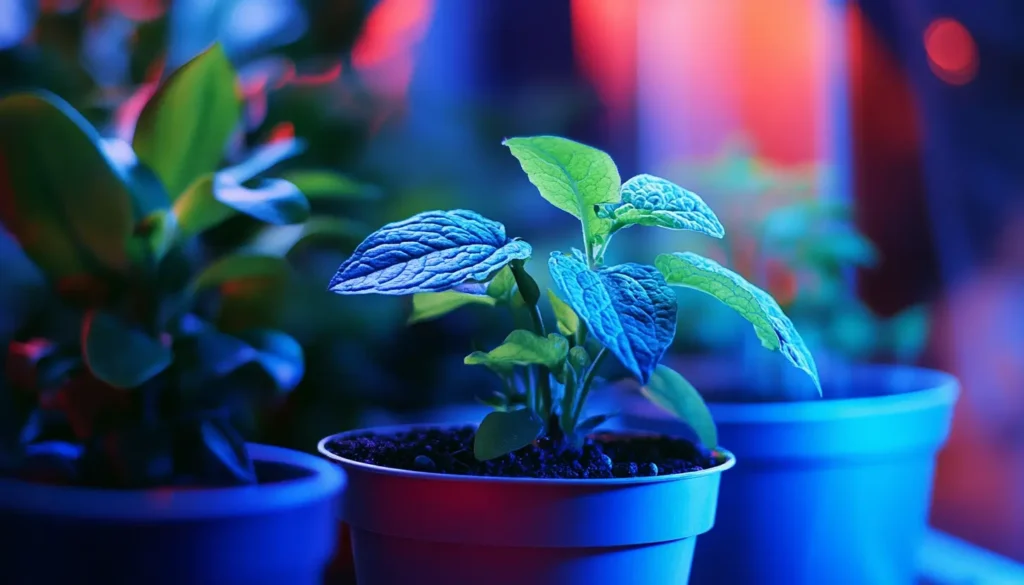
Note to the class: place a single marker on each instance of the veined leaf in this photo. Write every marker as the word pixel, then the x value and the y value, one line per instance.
pixel 568 321
pixel 501 433
pixel 426 306
pixel 673 393
pixel 524 348
pixel 628 308
pixel 774 329
pixel 653 201
pixel 119 354
pixel 433 251
pixel 573 177
pixel 184 128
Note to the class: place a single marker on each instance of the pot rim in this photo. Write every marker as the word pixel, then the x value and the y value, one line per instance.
pixel 324 480
pixel 936 389
pixel 730 461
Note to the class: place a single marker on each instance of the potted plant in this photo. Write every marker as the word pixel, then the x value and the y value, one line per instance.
pixel 126 465
pixel 830 489
pixel 531 495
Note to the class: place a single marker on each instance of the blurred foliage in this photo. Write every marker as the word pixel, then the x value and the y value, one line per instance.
pixel 781 235
pixel 155 335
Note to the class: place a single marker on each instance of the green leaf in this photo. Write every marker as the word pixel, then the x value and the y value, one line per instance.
pixel 573 177
pixel 501 433
pixel 60 195
pixel 198 210
pixel 524 348
pixel 184 129
pixel 323 184
pixel 157 231
pixel 653 201
pixel 503 286
pixel 426 306
pixel 241 267
pixel 281 240
pixel 119 354
pixel 579 359
pixel 774 329
pixel 215 198
pixel 673 393
pixel 568 321
pixel 148 193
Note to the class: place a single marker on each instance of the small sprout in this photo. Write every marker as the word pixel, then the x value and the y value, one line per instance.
pixel 626 311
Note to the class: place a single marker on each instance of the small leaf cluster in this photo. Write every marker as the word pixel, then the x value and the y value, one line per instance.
pixel 140 362
pixel 628 312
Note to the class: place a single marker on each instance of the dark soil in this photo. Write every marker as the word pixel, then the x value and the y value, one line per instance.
pixel 450 451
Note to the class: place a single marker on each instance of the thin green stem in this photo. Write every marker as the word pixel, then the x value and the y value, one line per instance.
pixel 586 385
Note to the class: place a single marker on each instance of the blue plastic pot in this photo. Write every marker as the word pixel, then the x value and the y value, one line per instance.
pixel 828 491
pixel 433 529
pixel 280 531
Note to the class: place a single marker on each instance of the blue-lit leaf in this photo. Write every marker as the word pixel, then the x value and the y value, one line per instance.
pixel 279 355
pixel 433 251
pixel 628 308
pixel 672 392
pixel 653 201
pixel 263 159
pixel 501 433
pixel 774 329
pixel 215 198
pixel 589 424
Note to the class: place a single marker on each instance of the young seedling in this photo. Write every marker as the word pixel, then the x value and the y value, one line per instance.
pixel 448 259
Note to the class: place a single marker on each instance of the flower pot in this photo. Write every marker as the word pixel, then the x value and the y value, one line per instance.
pixel 424 528
pixel 830 490
pixel 280 531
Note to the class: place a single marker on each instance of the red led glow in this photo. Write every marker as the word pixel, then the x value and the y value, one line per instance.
pixel 952 54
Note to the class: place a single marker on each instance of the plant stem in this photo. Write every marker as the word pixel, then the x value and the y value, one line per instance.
pixel 540 390
pixel 585 385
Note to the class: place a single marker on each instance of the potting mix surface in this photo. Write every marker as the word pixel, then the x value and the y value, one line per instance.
pixel 450 452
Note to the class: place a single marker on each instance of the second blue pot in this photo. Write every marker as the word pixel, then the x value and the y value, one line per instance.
pixel 829 491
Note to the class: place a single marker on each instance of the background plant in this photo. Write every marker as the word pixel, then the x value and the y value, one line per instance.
pixel 802 248
pixel 453 258
pixel 144 359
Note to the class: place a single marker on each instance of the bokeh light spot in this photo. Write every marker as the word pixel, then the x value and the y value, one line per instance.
pixel 952 53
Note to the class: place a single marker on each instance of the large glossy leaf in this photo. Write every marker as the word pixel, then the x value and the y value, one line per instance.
pixel 628 308
pixel 322 184
pixel 335 232
pixel 185 127
pixel 240 267
pixel 653 201
pixel 524 348
pixel 573 177
pixel 433 251
pixel 215 198
pixel 60 196
pixel 774 329
pixel 501 433
pixel 119 354
pixel 670 391
pixel 427 306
